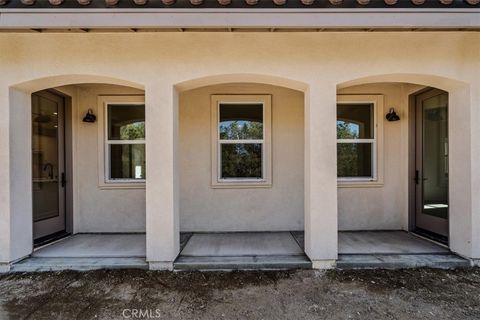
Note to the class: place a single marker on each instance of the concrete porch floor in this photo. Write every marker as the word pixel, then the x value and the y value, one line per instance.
pixel 385 242
pixel 285 250
pixel 240 250
pixel 392 250
pixel 88 252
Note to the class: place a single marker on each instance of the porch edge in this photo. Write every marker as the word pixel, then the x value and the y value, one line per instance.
pixel 324 264
pixel 4 268
pixel 475 262
pixel 160 265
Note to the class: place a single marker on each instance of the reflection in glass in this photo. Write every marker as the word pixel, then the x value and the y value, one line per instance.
pixel 126 122
pixel 435 156
pixel 241 121
pixel 355 121
pixel 127 161
pixel 44 158
pixel 241 160
pixel 354 160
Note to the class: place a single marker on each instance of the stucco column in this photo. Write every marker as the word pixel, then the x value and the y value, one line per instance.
pixel 475 169
pixel 4 181
pixel 15 176
pixel 321 175
pixel 462 170
pixel 162 227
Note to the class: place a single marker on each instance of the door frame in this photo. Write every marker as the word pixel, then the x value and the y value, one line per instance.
pixel 412 161
pixel 68 149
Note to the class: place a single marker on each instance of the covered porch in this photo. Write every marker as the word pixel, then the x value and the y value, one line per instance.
pixel 191 221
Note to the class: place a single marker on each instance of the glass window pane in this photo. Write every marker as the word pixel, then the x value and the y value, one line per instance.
pixel 241 121
pixel 127 161
pixel 435 156
pixel 354 160
pixel 355 121
pixel 45 164
pixel 126 122
pixel 241 160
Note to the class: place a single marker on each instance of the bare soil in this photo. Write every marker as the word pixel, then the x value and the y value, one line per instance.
pixel 135 294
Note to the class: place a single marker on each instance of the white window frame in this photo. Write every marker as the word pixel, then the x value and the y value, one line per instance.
pixel 377 142
pixel 266 180
pixel 104 180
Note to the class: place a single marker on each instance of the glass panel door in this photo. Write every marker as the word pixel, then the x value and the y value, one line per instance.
pixel 47 164
pixel 432 162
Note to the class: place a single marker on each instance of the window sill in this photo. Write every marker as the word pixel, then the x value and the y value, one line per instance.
pixel 115 186
pixel 359 184
pixel 237 185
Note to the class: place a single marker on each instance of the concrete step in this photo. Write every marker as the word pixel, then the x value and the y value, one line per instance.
pixel 400 261
pixel 37 264
pixel 189 263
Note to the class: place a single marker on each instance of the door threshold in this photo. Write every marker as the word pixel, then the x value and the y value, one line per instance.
pixel 43 241
pixel 431 237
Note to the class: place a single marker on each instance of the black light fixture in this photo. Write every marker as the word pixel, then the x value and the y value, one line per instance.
pixel 392 115
pixel 90 117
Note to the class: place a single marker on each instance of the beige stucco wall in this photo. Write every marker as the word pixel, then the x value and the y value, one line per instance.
pixel 313 62
pixel 280 207
pixel 98 209
pixel 383 206
pixel 203 208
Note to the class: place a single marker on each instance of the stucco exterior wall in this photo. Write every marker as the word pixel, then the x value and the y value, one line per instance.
pixel 384 206
pixel 99 209
pixel 164 63
pixel 279 207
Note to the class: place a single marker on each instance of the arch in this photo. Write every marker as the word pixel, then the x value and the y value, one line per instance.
pixel 69 79
pixel 19 139
pixel 461 163
pixel 241 77
pixel 439 82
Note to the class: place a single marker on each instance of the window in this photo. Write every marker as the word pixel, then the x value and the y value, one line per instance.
pixel 241 140
pixel 124 140
pixel 358 138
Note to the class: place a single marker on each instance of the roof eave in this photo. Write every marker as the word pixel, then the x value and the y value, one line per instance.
pixel 240 18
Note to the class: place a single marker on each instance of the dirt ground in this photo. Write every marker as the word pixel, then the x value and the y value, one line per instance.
pixel 135 294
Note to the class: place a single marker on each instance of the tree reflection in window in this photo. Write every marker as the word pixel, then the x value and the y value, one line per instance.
pixel 242 160
pixel 241 140
pixel 355 145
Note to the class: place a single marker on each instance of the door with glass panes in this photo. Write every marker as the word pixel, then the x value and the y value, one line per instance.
pixel 431 158
pixel 48 164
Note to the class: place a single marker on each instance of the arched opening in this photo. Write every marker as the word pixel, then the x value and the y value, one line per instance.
pixel 398 182
pixel 241 172
pixel 79 189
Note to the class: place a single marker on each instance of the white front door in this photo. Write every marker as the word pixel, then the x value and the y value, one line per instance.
pixel 48 164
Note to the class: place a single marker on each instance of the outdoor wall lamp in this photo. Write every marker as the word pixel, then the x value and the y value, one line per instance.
pixel 392 115
pixel 90 117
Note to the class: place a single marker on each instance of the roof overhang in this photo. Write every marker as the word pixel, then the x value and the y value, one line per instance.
pixel 317 19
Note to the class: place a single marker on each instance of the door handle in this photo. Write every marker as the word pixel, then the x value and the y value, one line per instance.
pixel 417 177
pixel 63 181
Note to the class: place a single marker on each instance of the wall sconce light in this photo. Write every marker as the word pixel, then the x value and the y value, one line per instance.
pixel 90 117
pixel 392 115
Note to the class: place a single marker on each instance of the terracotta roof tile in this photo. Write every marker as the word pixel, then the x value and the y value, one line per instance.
pixel 238 3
